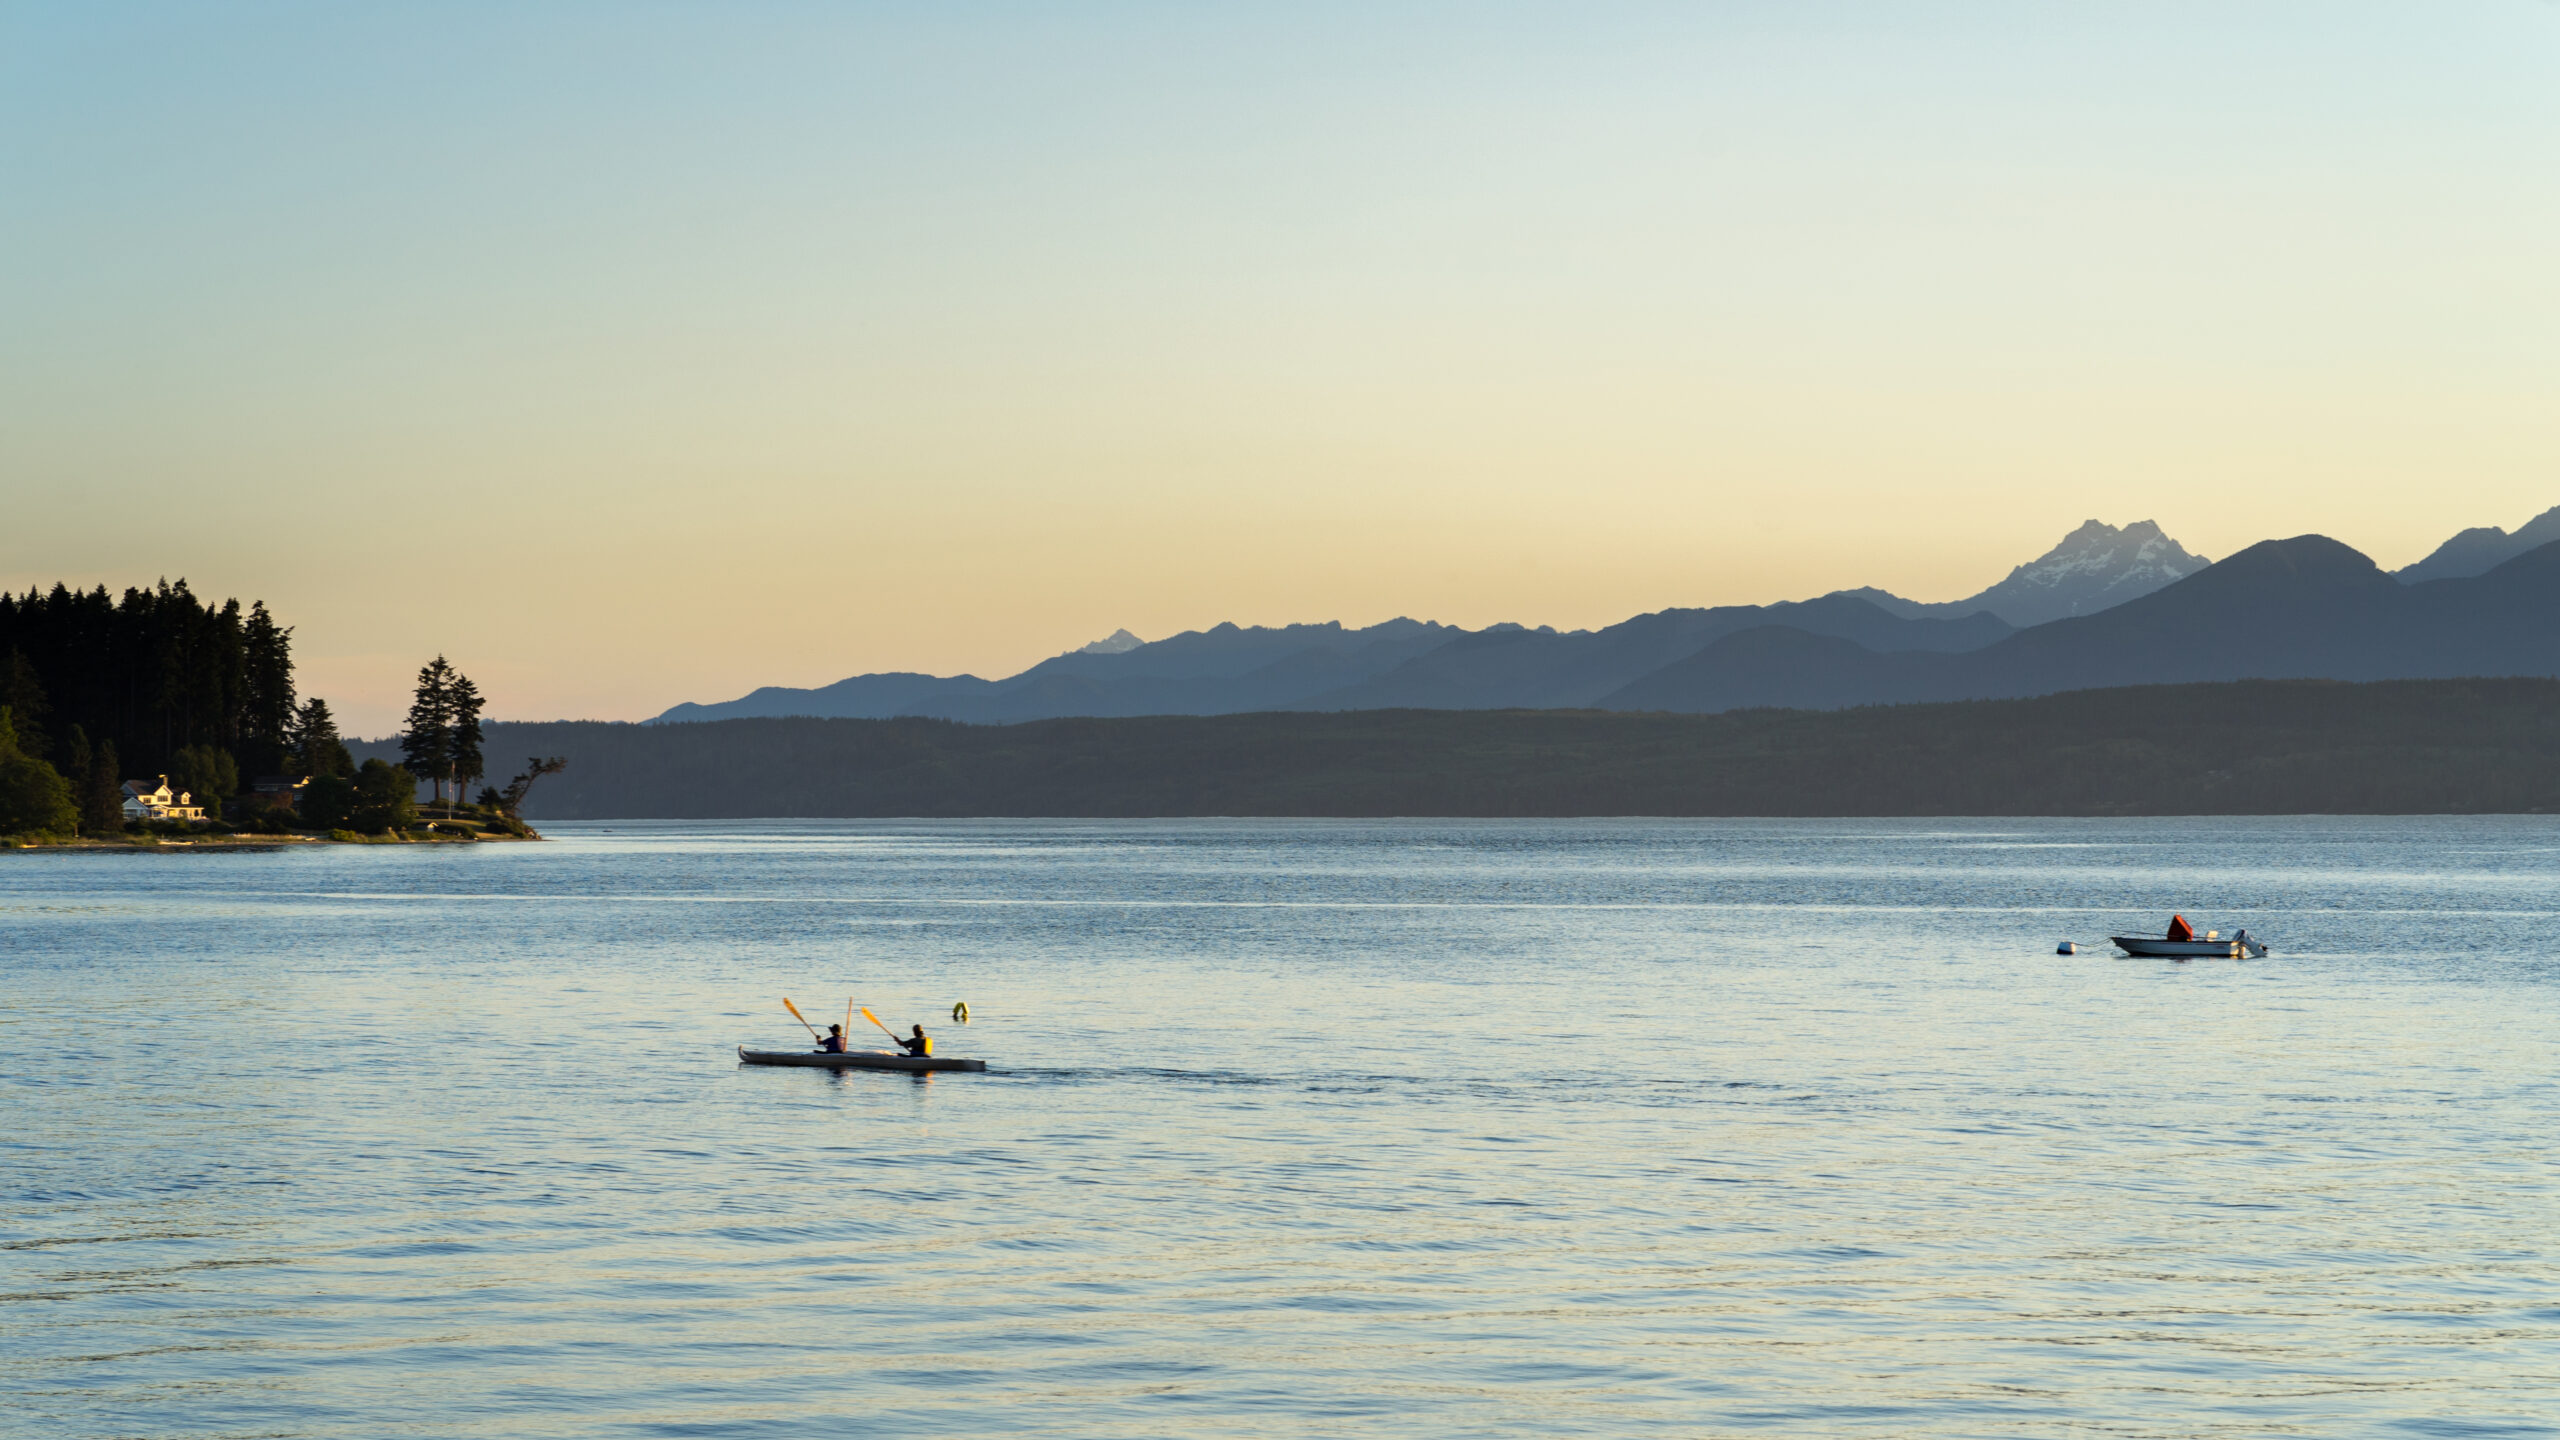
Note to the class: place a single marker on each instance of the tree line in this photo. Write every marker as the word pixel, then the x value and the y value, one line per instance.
pixel 101 688
pixel 97 689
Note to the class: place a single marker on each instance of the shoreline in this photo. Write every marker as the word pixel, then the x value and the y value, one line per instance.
pixel 216 844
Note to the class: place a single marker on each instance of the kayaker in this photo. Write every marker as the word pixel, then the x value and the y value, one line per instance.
pixel 2179 929
pixel 918 1046
pixel 834 1043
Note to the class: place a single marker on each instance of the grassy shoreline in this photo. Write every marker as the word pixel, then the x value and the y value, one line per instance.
pixel 461 831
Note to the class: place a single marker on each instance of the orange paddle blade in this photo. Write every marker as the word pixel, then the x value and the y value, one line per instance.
pixel 874 1019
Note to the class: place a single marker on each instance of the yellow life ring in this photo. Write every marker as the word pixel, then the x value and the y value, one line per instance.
pixel 960 1012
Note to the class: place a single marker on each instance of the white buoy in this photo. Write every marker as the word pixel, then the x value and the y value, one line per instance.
pixel 2066 948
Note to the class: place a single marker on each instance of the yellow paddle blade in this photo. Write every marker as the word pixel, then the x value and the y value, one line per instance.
pixel 874 1019
pixel 794 1009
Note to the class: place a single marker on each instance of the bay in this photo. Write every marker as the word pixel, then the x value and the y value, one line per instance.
pixel 1396 1128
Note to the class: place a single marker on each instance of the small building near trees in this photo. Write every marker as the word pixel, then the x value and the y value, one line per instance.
pixel 144 800
pixel 278 792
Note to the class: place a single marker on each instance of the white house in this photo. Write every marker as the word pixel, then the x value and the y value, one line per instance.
pixel 146 801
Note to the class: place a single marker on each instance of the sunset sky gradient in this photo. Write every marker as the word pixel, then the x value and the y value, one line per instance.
pixel 632 353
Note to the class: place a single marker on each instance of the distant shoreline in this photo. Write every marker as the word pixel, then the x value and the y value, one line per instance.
pixel 2249 747
pixel 222 843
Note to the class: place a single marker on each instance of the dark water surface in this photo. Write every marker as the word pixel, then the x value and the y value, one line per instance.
pixel 1406 1129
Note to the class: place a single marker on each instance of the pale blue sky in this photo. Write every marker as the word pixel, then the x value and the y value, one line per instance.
pixel 761 343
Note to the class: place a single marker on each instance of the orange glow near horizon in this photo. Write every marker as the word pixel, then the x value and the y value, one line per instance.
pixel 632 358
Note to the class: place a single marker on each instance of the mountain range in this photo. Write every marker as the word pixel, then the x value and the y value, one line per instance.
pixel 2304 608
pixel 2094 567
pixel 2105 607
pixel 2484 548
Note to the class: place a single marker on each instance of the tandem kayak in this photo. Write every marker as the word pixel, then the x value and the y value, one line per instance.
pixel 859 1060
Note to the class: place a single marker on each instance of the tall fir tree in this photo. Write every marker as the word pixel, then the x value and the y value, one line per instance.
pixel 317 750
pixel 22 690
pixel 266 699
pixel 427 744
pixel 102 793
pixel 464 749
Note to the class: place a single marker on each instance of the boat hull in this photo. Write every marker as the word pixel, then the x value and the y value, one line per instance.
pixel 2185 949
pixel 860 1060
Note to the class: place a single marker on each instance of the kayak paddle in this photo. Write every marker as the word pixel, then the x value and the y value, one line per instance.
pixel 885 1030
pixel 796 1015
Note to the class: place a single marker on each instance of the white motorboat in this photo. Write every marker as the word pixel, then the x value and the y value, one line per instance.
pixel 2240 945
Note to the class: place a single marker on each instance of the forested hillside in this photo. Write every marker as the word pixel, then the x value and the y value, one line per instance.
pixel 2249 747
pixel 156 672
pixel 100 688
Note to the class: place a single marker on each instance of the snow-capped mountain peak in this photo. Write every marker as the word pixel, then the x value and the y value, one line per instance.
pixel 2095 566
pixel 1120 642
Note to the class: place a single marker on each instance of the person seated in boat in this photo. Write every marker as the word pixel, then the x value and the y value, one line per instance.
pixel 834 1043
pixel 2179 929
pixel 920 1045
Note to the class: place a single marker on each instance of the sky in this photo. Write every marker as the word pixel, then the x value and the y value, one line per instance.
pixel 638 352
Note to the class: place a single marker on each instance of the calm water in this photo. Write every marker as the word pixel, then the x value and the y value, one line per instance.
pixel 1420 1129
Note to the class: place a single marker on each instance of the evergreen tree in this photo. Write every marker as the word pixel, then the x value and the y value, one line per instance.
pixel 266 700
pixel 76 760
pixel 317 750
pixel 33 798
pixel 23 693
pixel 102 793
pixel 427 745
pixel 464 750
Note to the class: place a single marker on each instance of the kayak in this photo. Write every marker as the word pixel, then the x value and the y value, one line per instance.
pixel 859 1060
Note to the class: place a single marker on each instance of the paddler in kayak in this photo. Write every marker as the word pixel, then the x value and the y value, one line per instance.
pixel 920 1045
pixel 834 1043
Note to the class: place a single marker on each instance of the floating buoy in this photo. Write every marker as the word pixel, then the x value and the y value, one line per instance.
pixel 2066 948
pixel 960 1012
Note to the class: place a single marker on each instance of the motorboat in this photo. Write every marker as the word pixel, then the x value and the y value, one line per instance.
pixel 2211 944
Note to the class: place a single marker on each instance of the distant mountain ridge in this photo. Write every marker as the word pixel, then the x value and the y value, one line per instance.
pixel 2124 606
pixel 2484 548
pixel 1233 669
pixel 1199 672
pixel 2304 608
pixel 1542 670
